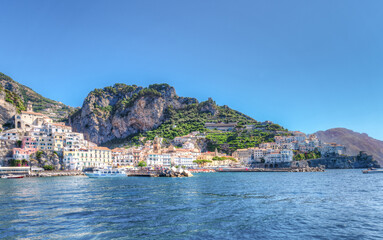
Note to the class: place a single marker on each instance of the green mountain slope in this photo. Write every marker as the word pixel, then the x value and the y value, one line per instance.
pixel 20 95
pixel 123 115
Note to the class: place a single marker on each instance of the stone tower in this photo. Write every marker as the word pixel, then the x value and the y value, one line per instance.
pixel 29 107
pixel 157 145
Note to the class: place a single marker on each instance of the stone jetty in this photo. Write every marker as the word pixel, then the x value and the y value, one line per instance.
pixel 298 169
pixel 175 172
pixel 55 174
pixel 308 169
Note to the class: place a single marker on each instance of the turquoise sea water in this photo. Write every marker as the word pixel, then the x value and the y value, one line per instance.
pixel 336 204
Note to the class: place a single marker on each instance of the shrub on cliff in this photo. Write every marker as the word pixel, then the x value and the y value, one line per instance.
pixel 142 164
pixel 49 167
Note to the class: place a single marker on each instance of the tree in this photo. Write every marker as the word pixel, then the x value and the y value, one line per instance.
pixel 48 167
pixel 142 164
pixel 202 162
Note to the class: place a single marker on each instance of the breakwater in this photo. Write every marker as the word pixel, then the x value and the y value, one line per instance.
pixel 362 160
pixel 173 172
pixel 291 169
pixel 55 174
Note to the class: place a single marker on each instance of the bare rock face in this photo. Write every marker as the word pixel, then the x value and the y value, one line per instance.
pixel 7 110
pixel 210 106
pixel 6 151
pixel 46 158
pixel 123 110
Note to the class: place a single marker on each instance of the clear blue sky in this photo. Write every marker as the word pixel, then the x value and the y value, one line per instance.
pixel 307 65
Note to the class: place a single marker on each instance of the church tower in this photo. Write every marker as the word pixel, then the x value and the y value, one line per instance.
pixel 157 145
pixel 29 107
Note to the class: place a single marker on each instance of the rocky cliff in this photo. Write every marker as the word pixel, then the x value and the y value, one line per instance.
pixel 46 158
pixel 14 97
pixel 6 151
pixel 7 109
pixel 354 142
pixel 123 110
pixel 362 160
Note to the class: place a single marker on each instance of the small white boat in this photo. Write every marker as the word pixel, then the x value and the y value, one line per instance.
pixel 12 176
pixel 373 170
pixel 106 173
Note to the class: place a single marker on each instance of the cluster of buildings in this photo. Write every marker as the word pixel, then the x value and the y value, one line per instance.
pixel 35 132
pixel 282 150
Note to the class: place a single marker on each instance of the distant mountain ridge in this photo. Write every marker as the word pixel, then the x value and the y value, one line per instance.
pixel 353 141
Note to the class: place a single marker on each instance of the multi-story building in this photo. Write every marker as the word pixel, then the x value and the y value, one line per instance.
pixel 332 148
pixel 23 154
pixel 122 157
pixel 27 119
pixel 184 160
pixel 279 157
pixel 29 143
pixel 74 140
pixel 11 134
pixel 159 159
pixel 78 159
pixel 243 155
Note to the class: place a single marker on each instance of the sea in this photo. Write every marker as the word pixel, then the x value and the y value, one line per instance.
pixel 335 204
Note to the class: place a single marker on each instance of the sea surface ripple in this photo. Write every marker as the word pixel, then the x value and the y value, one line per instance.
pixel 336 204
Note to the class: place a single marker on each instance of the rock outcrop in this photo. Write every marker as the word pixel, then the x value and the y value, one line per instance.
pixel 307 169
pixel 175 172
pixel 122 110
pixel 46 158
pixel 56 174
pixel 7 110
pixel 362 160
pixel 6 151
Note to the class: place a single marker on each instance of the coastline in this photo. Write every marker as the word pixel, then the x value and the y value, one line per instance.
pixel 55 174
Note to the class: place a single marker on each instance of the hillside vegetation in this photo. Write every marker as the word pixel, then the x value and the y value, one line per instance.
pixel 20 95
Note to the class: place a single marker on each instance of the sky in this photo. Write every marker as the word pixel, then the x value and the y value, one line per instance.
pixel 306 65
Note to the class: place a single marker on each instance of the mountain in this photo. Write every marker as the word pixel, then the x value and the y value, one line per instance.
pixel 354 142
pixel 116 113
pixel 15 96
pixel 129 114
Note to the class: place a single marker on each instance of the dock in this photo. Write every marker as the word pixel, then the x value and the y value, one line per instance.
pixel 142 174
pixel 306 169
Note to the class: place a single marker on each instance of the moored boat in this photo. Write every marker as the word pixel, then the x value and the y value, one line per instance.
pixel 373 170
pixel 106 173
pixel 12 176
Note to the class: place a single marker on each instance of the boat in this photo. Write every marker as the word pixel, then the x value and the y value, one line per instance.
pixel 12 176
pixel 373 170
pixel 106 173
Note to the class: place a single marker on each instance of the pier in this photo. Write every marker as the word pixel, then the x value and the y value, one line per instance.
pixel 142 174
pixel 305 169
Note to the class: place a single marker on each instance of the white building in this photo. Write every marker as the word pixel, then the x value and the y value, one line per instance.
pixel 185 160
pixel 12 134
pixel 279 156
pixel 159 160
